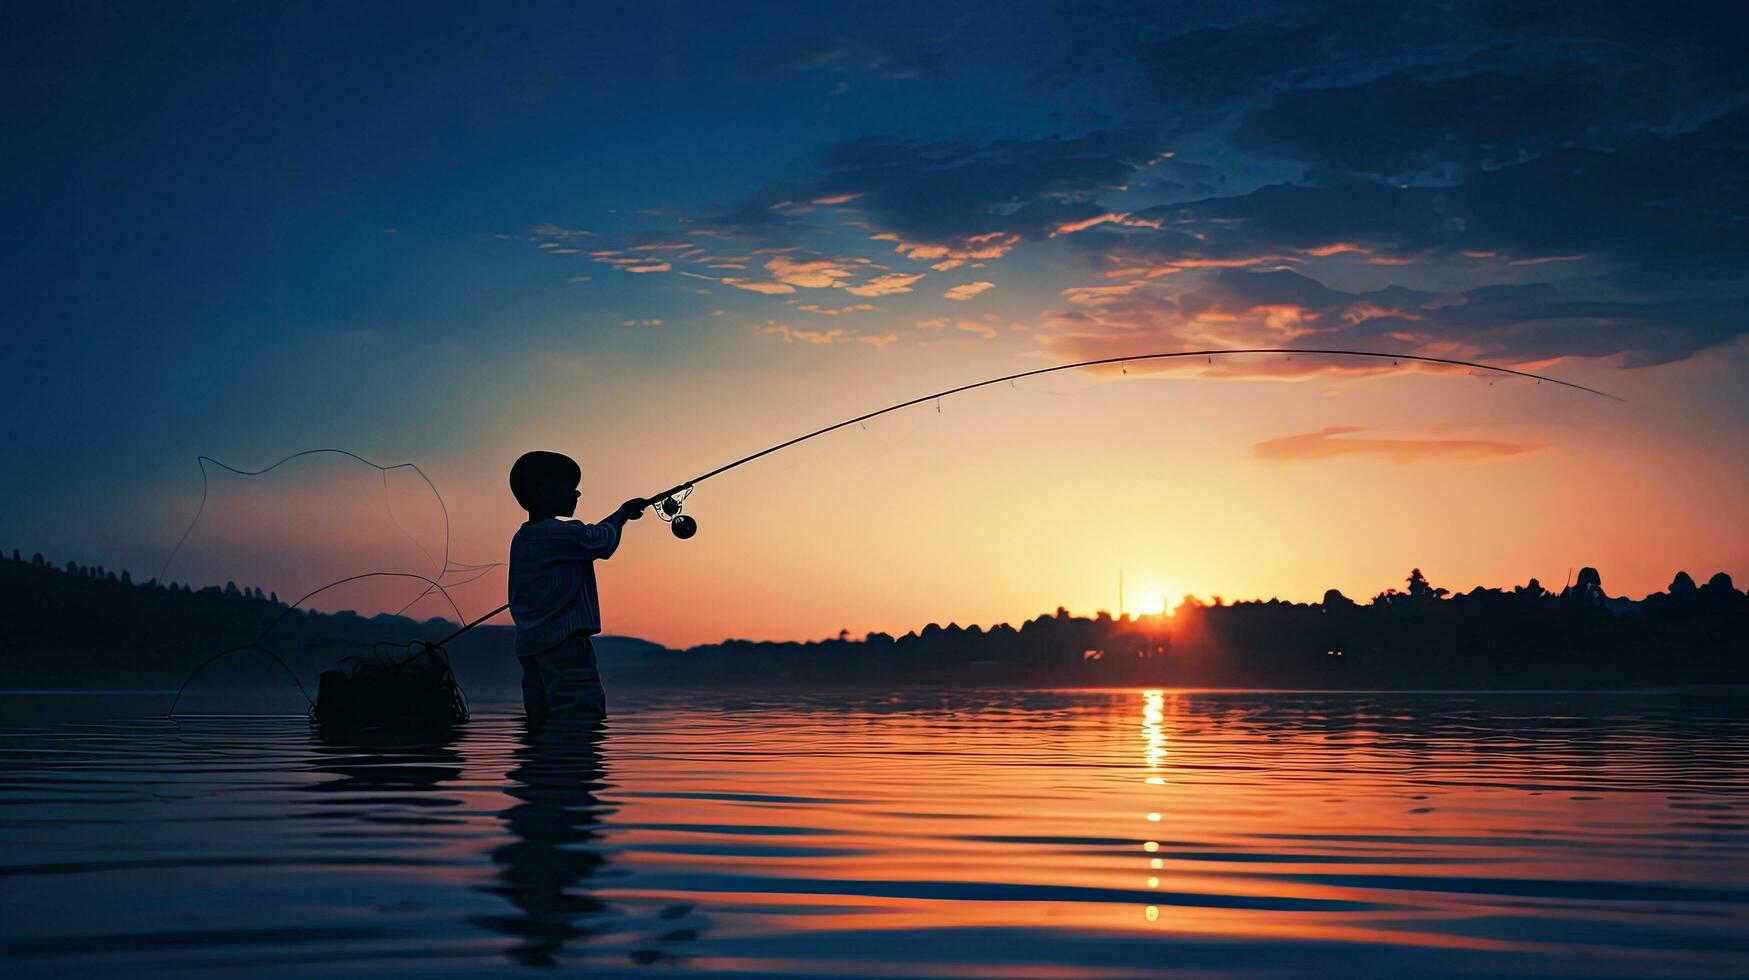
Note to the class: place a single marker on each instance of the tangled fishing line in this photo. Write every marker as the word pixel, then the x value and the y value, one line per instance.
pixel 352 694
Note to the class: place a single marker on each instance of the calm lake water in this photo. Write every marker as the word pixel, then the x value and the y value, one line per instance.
pixel 1015 834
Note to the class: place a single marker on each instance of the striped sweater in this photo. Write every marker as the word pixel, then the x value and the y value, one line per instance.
pixel 552 580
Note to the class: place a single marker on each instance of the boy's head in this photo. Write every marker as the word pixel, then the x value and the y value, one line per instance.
pixel 545 484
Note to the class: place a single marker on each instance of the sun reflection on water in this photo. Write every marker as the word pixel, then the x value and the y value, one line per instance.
pixel 1153 755
pixel 1154 729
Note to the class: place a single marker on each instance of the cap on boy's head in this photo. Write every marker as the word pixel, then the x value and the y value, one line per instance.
pixel 537 477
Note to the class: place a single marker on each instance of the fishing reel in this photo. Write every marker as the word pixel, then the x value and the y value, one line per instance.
pixel 668 509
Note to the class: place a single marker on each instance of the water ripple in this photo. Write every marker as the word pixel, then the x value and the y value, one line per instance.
pixel 1111 833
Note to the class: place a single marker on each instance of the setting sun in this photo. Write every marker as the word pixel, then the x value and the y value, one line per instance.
pixel 1150 599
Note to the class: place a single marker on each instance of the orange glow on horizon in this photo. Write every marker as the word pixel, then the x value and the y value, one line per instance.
pixel 1013 501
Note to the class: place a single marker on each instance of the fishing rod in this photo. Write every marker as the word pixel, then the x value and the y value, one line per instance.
pixel 669 503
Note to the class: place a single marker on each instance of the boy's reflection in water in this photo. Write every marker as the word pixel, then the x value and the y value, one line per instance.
pixel 557 826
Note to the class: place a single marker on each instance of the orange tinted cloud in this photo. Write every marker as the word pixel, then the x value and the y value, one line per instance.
pixel 835 335
pixel 1099 294
pixel 1113 217
pixel 1337 248
pixel 753 286
pixel 887 285
pixel 625 264
pixel 1545 259
pixel 809 274
pixel 792 335
pixel 989 245
pixel 1154 270
pixel 835 310
pixel 1336 441
pixel 966 291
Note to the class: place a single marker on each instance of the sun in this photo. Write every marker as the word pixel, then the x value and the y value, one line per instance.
pixel 1148 595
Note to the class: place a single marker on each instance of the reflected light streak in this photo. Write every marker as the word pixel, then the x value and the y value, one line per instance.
pixel 1154 729
pixel 1154 750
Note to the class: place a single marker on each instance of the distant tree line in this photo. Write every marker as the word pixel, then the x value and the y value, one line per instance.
pixel 98 573
pixel 1417 636
pixel 70 621
pixel 74 626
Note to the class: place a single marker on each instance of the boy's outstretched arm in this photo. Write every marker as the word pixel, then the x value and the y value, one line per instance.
pixel 601 540
pixel 631 510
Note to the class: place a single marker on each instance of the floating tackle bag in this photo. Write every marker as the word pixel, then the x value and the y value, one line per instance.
pixel 416 695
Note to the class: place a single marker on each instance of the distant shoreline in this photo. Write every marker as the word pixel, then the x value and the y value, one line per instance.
pixel 73 626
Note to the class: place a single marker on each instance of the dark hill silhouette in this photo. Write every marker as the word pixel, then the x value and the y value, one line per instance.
pixel 68 626
pixel 73 627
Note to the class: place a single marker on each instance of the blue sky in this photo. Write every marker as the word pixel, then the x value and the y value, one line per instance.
pixel 246 232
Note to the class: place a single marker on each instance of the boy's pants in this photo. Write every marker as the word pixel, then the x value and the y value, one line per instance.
pixel 563 684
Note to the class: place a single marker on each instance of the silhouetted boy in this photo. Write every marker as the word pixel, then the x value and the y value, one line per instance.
pixel 552 589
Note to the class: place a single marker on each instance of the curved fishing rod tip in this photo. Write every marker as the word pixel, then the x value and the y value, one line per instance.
pixel 1208 356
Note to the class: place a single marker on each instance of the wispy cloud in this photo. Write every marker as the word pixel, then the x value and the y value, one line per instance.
pixel 550 230
pixel 757 286
pixel 833 335
pixel 1336 441
pixel 625 263
pixel 966 291
pixel 792 335
pixel 885 285
pixel 949 202
pixel 983 329
pixel 810 273
pixel 1447 217
pixel 977 249
pixel 1515 323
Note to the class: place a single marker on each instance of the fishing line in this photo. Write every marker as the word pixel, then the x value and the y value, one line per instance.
pixel 389 508
pixel 202 461
pixel 417 648
pixel 480 574
pixel 255 644
pixel 444 568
